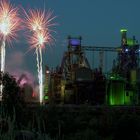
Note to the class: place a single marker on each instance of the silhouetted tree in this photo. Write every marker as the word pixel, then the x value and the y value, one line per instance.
pixel 11 100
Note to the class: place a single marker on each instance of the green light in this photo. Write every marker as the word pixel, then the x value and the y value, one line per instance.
pixel 123 30
pixel 131 42
pixel 118 95
pixel 116 92
pixel 115 77
pixel 128 97
pixel 46 97
pixel 112 77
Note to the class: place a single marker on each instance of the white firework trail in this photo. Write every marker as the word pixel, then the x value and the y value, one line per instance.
pixel 3 55
pixel 40 73
pixel 3 51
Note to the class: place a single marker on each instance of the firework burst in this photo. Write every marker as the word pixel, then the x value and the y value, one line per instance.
pixel 9 20
pixel 39 24
pixel 40 39
pixel 9 25
pixel 39 20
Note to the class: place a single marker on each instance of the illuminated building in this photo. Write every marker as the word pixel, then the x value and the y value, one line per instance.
pixel 74 82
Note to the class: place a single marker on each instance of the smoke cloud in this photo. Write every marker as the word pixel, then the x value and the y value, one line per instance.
pixel 16 66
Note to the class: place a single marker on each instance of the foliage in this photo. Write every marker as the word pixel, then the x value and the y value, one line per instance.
pixel 128 127
pixel 12 101
pixel 80 122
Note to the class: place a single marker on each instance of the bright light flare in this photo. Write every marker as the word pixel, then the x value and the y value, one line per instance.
pixel 39 23
pixel 36 20
pixel 39 20
pixel 39 39
pixel 9 19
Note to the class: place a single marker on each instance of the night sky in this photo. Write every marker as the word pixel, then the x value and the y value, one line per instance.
pixel 97 21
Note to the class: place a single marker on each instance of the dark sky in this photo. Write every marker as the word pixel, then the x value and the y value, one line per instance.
pixel 97 21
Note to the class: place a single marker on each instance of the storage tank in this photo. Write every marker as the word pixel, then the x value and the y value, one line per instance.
pixel 116 92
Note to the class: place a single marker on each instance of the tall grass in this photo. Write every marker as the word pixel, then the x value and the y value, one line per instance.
pixel 9 129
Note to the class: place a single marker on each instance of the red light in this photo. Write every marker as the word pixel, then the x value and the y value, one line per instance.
pixel 33 94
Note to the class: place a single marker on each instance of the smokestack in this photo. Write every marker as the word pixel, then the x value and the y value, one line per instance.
pixel 124 37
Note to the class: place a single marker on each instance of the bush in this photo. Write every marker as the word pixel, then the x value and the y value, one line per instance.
pixel 12 102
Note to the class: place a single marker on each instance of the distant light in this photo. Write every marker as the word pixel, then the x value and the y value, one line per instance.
pixel 46 97
pixel 126 50
pixel 112 77
pixel 47 71
pixel 123 30
pixel 75 42
pixel 33 94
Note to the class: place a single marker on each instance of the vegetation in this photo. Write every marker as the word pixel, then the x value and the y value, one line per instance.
pixel 84 123
pixel 18 121
pixel 12 101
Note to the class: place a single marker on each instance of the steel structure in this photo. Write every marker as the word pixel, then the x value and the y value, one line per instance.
pixel 75 81
pixel 95 48
pixel 73 58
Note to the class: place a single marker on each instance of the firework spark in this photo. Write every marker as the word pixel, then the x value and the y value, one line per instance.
pixel 9 24
pixel 39 20
pixel 9 20
pixel 40 39
pixel 39 24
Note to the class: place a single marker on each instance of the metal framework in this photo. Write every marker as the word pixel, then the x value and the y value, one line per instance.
pixel 95 48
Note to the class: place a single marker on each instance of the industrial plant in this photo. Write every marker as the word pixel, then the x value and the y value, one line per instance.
pixel 75 82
